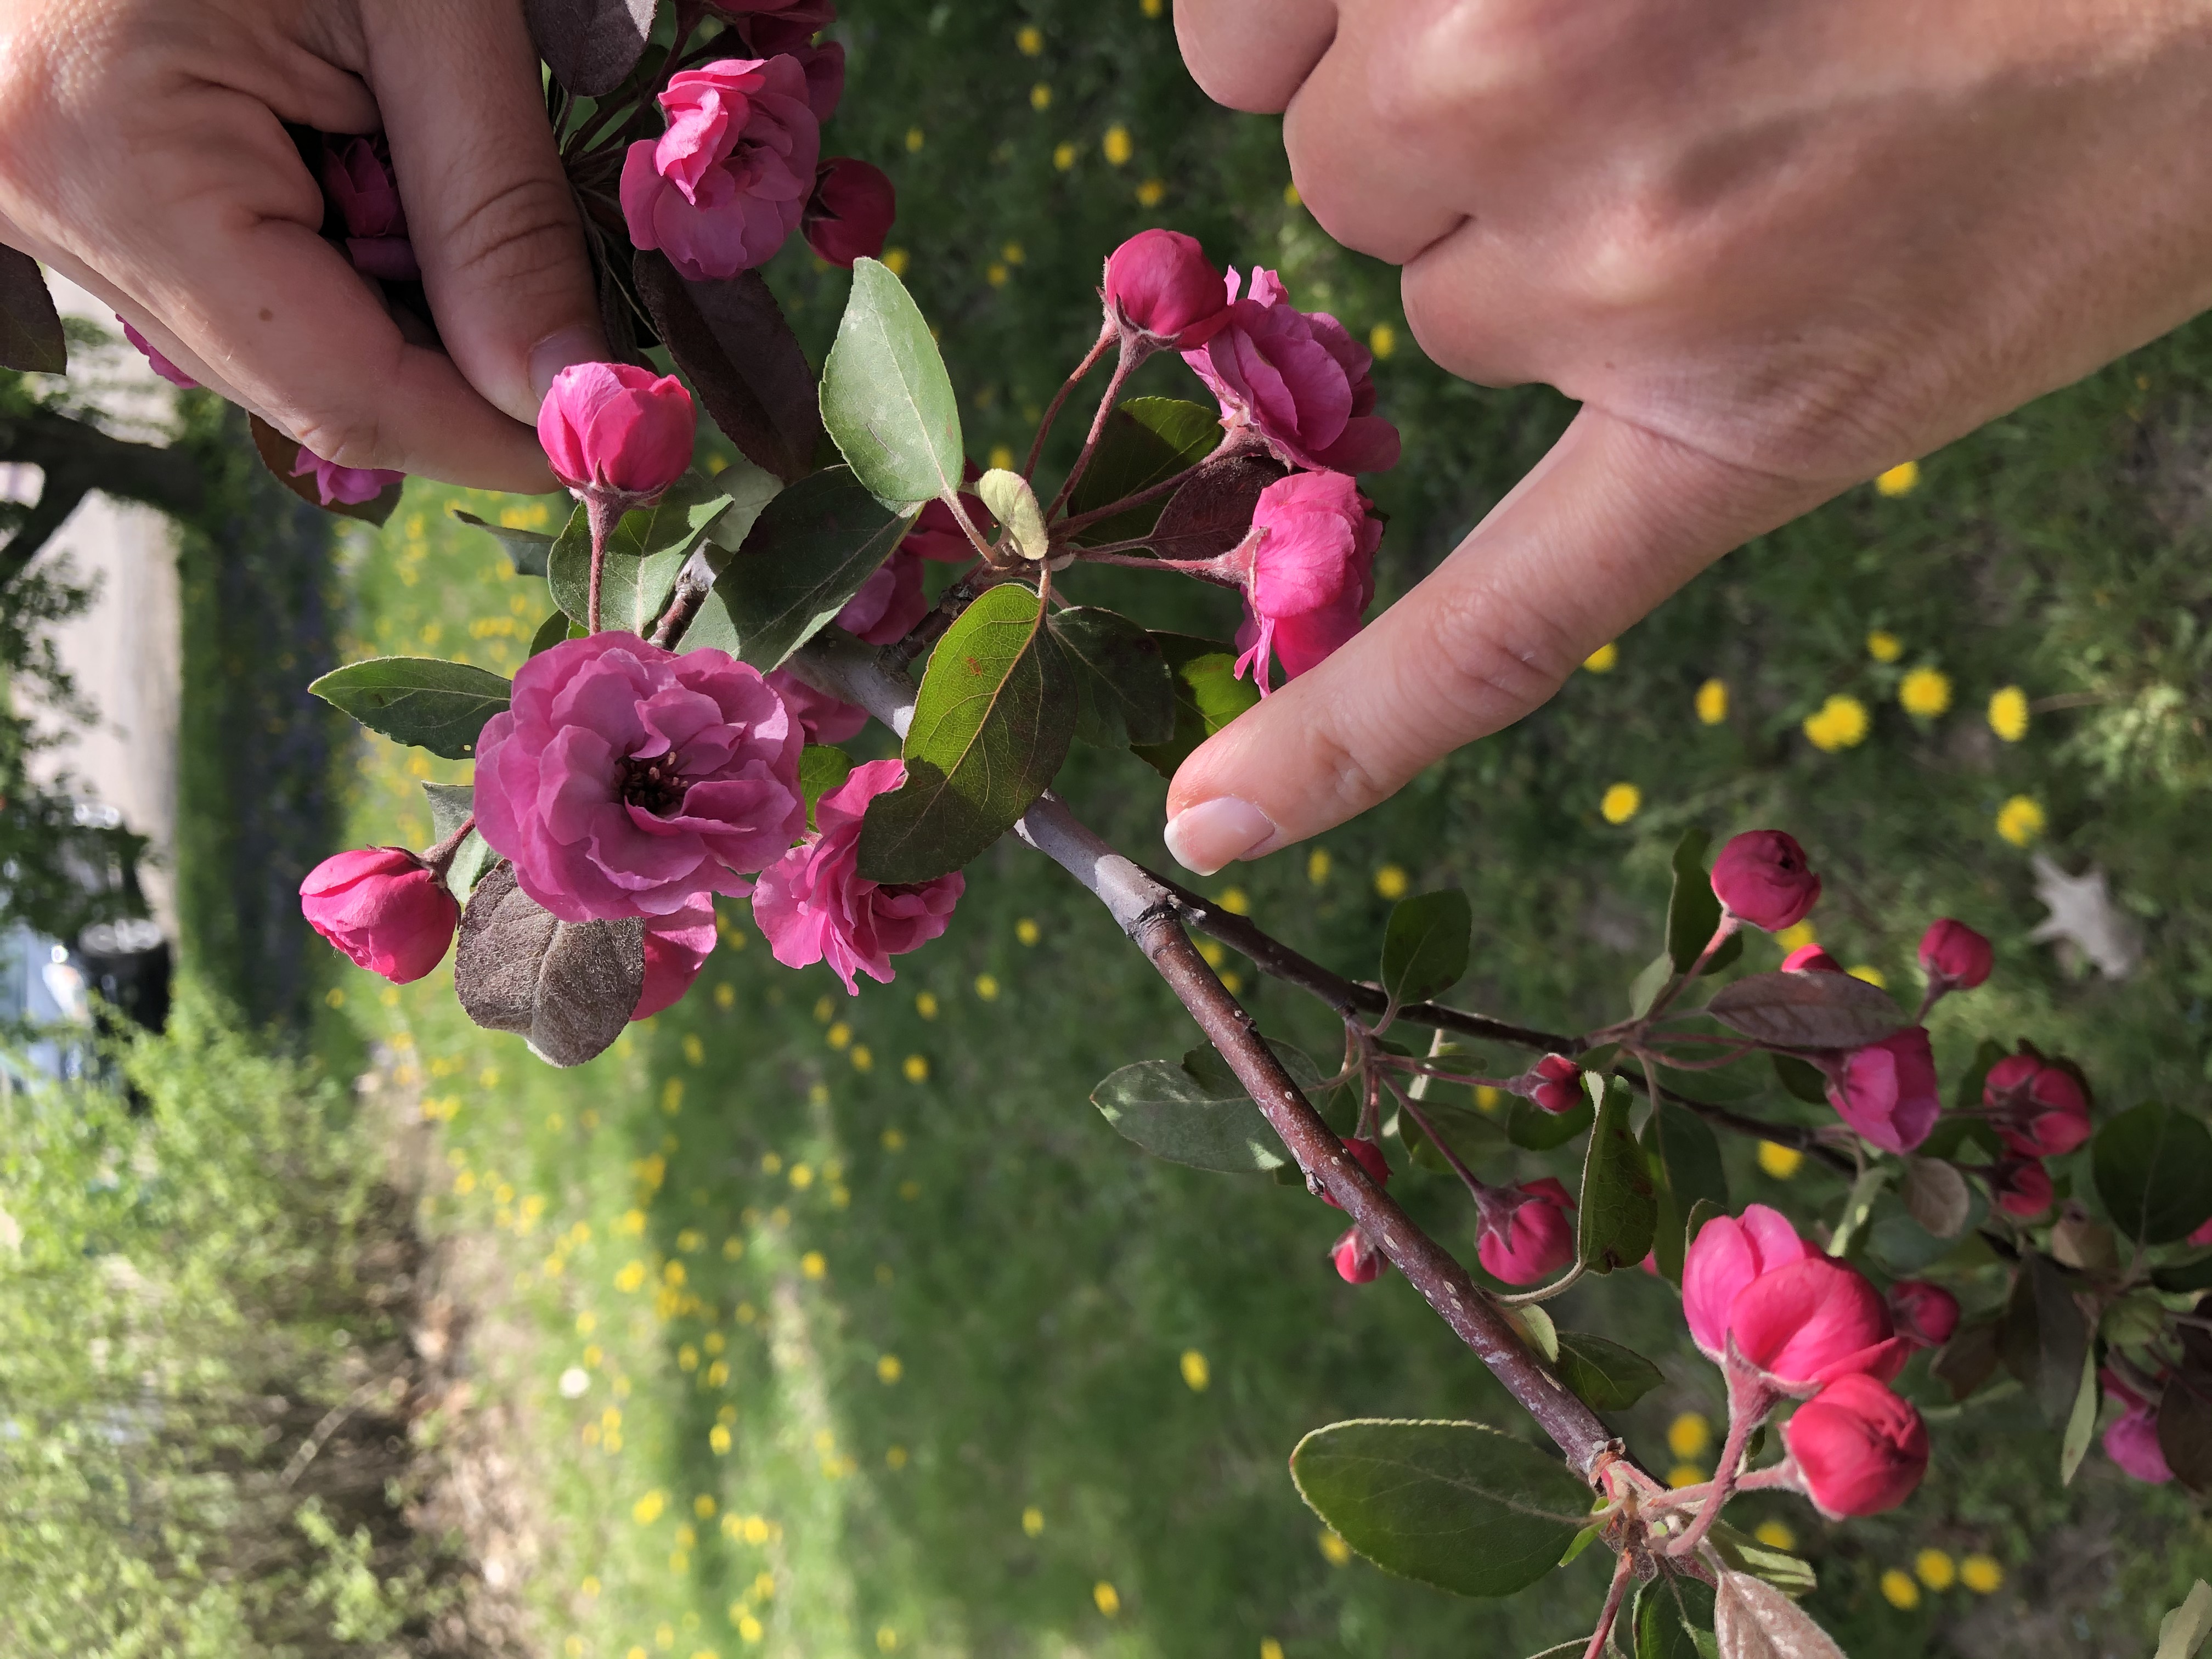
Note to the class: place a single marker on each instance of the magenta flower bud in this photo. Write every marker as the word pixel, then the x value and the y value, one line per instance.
pixel 616 429
pixel 1888 1091
pixel 1859 1449
pixel 1954 956
pixel 2203 1235
pixel 161 366
pixel 1370 1158
pixel 823 66
pixel 722 189
pixel 1160 284
pixel 1726 1255
pixel 889 603
pixel 850 213
pixel 824 719
pixel 1925 1315
pixel 1811 1321
pixel 357 178
pixel 384 907
pixel 627 780
pixel 1296 378
pixel 1810 959
pixel 676 948
pixel 1307 570
pixel 1762 877
pixel 1554 1083
pixel 2040 1110
pixel 2022 1188
pixel 1357 1262
pixel 815 906
pixel 2131 1440
pixel 1527 1236
pixel 343 486
pixel 771 26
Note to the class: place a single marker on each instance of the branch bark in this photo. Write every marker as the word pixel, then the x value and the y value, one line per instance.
pixel 76 458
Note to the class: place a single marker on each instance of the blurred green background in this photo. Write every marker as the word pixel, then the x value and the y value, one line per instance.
pixel 807 1326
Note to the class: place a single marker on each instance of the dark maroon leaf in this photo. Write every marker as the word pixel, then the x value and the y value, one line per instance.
pixel 1211 514
pixel 591 46
pixel 279 454
pixel 2185 1414
pixel 732 342
pixel 569 988
pixel 30 339
pixel 1969 1360
pixel 1807 1011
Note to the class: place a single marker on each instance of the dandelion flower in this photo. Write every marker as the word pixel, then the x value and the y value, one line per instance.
pixel 2019 820
pixel 1118 147
pixel 1333 1549
pixel 1900 480
pixel 1712 702
pixel 1779 1160
pixel 2009 713
pixel 1381 340
pixel 1621 802
pixel 1926 693
pixel 1106 1598
pixel 1604 659
pixel 1840 723
pixel 1899 1591
pixel 1980 1574
pixel 1936 1569
pixel 1390 882
pixel 1776 1536
pixel 1689 1435
pixel 1196 1373
pixel 1884 646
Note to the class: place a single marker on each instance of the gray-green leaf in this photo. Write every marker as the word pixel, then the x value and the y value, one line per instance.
pixel 886 398
pixel 1754 1620
pixel 1124 693
pixel 567 988
pixel 645 550
pixel 1014 503
pixel 1424 945
pixel 1619 1211
pixel 421 701
pixel 2181 1632
pixel 1193 1111
pixel 1807 1011
pixel 527 550
pixel 1608 1377
pixel 2152 1166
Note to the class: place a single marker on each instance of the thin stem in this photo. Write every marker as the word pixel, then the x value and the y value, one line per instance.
pixel 1746 1411
pixel 1107 336
pixel 1208 569
pixel 1125 365
pixel 1544 1292
pixel 931 629
pixel 1623 1570
pixel 683 610
pixel 602 514
pixel 1475 1185
pixel 441 857
pixel 1239 442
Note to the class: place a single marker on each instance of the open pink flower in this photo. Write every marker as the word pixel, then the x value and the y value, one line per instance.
pixel 1811 1321
pixel 1297 379
pixel 1726 1255
pixel 823 718
pixel 676 948
pixel 1888 1091
pixel 161 366
pixel 625 781
pixel 357 178
pixel 1528 1236
pixel 345 486
pixel 385 908
pixel 850 213
pixel 1370 1158
pixel 1859 1449
pixel 1925 1315
pixel 1307 570
pixel 2040 1110
pixel 1160 284
pixel 815 906
pixel 617 428
pixel 724 186
pixel 1762 877
pixel 823 66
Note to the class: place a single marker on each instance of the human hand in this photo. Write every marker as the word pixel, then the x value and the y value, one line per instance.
pixel 1772 248
pixel 141 154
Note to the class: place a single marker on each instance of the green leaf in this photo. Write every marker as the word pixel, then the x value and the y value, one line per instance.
pixel 1687 1158
pixel 1476 1136
pixel 886 398
pixel 991 727
pixel 645 550
pixel 1208 696
pixel 1453 1505
pixel 1670 1611
pixel 1969 1360
pixel 31 338
pixel 1807 1011
pixel 2190 1276
pixel 1536 1329
pixel 1529 1126
pixel 2183 1631
pixel 1124 693
pixel 451 806
pixel 1425 945
pixel 1014 504
pixel 1858 1205
pixel 809 552
pixel 1619 1209
pixel 1801 1078
pixel 821 769
pixel 1969 1097
pixel 433 705
pixel 1607 1377
pixel 1147 440
pixel 550 632
pixel 2185 1414
pixel 1644 990
pixel 527 549
pixel 471 861
pixel 2152 1167
pixel 1692 912
pixel 1196 1112
pixel 2081 1421
pixel 1786 1572
pixel 2043 1337
pixel 1954 1133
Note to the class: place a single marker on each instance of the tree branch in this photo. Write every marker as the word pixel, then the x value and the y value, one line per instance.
pixel 77 458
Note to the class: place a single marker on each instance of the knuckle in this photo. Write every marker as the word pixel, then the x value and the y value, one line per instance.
pixel 517 232
pixel 349 437
pixel 1495 657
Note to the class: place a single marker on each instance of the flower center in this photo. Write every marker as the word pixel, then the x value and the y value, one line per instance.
pixel 653 784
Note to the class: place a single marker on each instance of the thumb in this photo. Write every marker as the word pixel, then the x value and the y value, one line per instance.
pixel 489 208
pixel 1613 520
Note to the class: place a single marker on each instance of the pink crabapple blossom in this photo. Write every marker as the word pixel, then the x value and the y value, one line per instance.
pixel 1526 1236
pixel 2022 1188
pixel 823 718
pixel 1554 1084
pixel 343 486
pixel 161 365
pixel 1307 571
pixel 1888 1092
pixel 1761 877
pixel 1811 959
pixel 2130 1440
pixel 1160 287
pixel 676 948
pixel 385 907
pixel 770 25
pixel 2039 1110
pixel 1808 1322
pixel 850 213
pixel 1858 1448
pixel 1925 1315
pixel 1727 1254
pixel 357 178
pixel 616 429
pixel 1357 1262
pixel 1954 956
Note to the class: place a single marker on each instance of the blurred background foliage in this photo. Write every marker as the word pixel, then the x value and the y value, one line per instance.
pixel 826 1327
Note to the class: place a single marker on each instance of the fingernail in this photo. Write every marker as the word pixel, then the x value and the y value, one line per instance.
pixel 1204 837
pixel 579 344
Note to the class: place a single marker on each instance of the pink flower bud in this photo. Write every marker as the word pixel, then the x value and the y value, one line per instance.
pixel 724 186
pixel 768 25
pixel 2022 1187
pixel 2131 1440
pixel 1370 1158
pixel 2203 1235
pixel 815 906
pixel 1160 284
pixel 1954 956
pixel 1859 1449
pixel 1811 1321
pixel 824 719
pixel 161 366
pixel 384 907
pixel 1296 378
pixel 1762 877
pixel 618 429
pixel 1357 1262
pixel 2040 1109
pixel 851 210
pixel 1554 1083
pixel 1888 1091
pixel 1527 1235
pixel 676 948
pixel 357 178
pixel 1925 1315
pixel 889 603
pixel 823 66
pixel 1810 959
pixel 343 486
pixel 1726 1255
pixel 1308 571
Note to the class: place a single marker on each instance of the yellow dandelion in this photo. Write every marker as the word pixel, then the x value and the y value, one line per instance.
pixel 587 1322
pixel 1712 702
pixel 909 1190
pixel 1212 951
pixel 590 1585
pixel 1029 39
pixel 631 1278
pixel 1488 1099
pixel 749 1629
pixel 1798 937
pixel 725 996
pixel 2009 712
pixel 1041 97
pixel 1235 901
pixel 893 1140
pixel 864 1058
pixel 824 1007
pixel 1232 982
pixel 733 1248
pixel 1117 147
pixel 802 1175
pixel 1621 802
pixel 1027 931
pixel 915 1067
pixel 1884 646
pixel 1271 1649
pixel 886 1638
pixel 889 1369
pixel 1064 154
pixel 1318 864
pixel 1840 723
pixel 987 986
pixel 718 1441
pixel 1899 480
pixel 1779 1160
pixel 1689 1436
pixel 1151 192
pixel 897 259
pixel 1390 882
pixel 693 1050
pixel 673 1275
pixel 913 142
pixel 1604 659
pixel 1899 1591
pixel 1981 1574
pixel 1153 8
pixel 1924 692
pixel 996 274
pixel 1290 197
pixel 465 1182
pixel 2019 820
pixel 925 1004
pixel 647 1508
pixel 813 1265
pixel 1936 1569
pixel 1333 1549
pixel 1776 1536
pixel 1106 1598
pixel 687 1358
pixel 1033 1521
pixel 1381 340
pixel 1196 1373
pixel 838 1035
pixel 717 1374
pixel 1002 459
